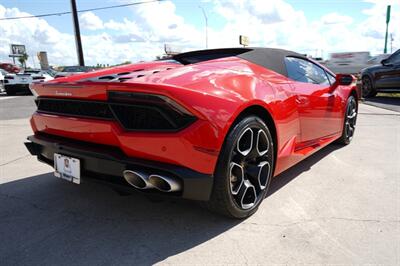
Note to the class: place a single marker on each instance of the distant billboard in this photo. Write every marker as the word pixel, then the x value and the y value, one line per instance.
pixel 172 49
pixel 44 62
pixel 17 50
pixel 244 40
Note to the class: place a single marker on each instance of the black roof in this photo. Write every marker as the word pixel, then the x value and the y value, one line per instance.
pixel 271 58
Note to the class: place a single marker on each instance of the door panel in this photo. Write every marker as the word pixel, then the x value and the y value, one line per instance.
pixel 388 77
pixel 318 106
pixel 319 111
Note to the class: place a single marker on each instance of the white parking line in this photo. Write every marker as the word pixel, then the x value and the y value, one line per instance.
pixel 9 97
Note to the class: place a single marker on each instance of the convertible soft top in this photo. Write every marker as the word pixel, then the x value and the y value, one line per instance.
pixel 271 58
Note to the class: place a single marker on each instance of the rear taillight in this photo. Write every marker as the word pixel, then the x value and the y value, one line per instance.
pixel 148 112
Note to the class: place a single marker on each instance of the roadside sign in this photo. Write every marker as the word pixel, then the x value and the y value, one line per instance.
pixel 243 40
pixel 17 50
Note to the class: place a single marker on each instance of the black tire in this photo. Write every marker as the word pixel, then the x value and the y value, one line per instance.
pixel 349 123
pixel 367 87
pixel 256 168
pixel 10 93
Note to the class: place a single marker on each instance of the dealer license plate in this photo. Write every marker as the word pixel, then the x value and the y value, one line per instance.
pixel 67 168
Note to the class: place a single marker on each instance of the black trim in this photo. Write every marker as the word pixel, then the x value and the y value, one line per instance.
pixel 73 108
pixel 132 114
pixel 271 58
pixel 107 163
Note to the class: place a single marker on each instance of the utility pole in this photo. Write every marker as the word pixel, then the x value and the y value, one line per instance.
pixel 387 27
pixel 206 20
pixel 78 41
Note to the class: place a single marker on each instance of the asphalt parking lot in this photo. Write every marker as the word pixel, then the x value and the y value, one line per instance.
pixel 340 206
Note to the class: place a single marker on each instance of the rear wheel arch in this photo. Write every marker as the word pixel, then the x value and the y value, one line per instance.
pixel 354 93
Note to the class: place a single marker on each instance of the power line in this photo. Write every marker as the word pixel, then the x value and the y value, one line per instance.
pixel 81 11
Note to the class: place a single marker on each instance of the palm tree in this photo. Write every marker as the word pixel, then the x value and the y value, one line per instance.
pixel 22 59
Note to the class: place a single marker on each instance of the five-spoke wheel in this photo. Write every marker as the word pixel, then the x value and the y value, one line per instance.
pixel 249 167
pixel 244 169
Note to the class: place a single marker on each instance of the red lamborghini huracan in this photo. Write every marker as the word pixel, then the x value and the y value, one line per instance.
pixel 211 125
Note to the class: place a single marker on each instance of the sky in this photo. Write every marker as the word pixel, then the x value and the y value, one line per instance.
pixel 139 32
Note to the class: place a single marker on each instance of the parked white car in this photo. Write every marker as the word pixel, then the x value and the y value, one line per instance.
pixel 19 83
pixel 3 73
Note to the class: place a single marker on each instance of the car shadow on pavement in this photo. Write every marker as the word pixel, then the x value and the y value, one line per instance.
pixel 385 102
pixel 284 178
pixel 47 221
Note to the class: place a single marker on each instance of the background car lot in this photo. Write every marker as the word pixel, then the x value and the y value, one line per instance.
pixel 343 209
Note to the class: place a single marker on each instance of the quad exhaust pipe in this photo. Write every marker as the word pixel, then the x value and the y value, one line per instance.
pixel 164 183
pixel 142 181
pixel 137 179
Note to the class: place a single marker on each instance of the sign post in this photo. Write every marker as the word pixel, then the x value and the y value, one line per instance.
pixel 387 27
pixel 17 50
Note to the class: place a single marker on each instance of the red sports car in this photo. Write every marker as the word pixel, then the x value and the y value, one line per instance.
pixel 211 125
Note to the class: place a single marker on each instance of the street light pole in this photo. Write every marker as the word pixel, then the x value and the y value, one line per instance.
pixel 78 41
pixel 387 27
pixel 206 20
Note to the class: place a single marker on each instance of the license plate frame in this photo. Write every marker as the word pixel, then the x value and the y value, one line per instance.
pixel 67 168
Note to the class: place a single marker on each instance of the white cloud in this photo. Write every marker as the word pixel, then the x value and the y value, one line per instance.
pixel 335 18
pixel 266 11
pixel 374 26
pixel 278 24
pixel 90 21
pixel 142 35
pixel 127 44
pixel 37 35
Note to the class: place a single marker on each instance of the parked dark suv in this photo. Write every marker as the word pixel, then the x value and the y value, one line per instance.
pixel 382 78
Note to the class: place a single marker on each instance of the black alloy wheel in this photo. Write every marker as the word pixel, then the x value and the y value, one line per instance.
pixel 244 169
pixel 350 120
pixel 367 88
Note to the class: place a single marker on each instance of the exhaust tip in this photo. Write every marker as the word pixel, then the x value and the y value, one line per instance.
pixel 135 179
pixel 164 184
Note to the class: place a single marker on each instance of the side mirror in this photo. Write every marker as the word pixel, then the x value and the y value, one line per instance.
pixel 344 79
pixel 385 62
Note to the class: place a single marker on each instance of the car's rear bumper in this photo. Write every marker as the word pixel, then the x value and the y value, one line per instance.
pixel 107 163
pixel 17 88
pixel 195 147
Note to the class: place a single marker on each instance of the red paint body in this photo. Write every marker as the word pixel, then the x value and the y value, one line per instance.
pixel 306 116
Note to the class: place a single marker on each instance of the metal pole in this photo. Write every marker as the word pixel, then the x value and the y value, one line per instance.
pixel 387 27
pixel 206 20
pixel 78 41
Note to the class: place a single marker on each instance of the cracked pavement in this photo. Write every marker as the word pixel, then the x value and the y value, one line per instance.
pixel 340 206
